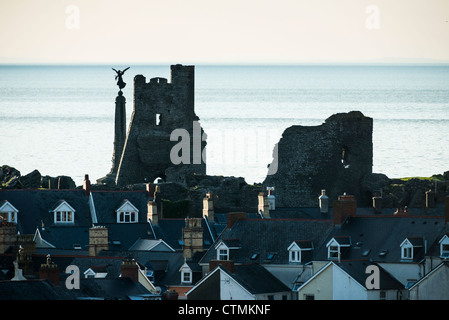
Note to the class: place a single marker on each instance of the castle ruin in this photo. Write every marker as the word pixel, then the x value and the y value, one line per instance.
pixel 334 156
pixel 160 107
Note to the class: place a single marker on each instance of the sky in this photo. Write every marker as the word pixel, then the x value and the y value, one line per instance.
pixel 231 31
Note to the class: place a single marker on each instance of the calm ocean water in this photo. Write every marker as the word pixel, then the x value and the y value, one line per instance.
pixel 60 119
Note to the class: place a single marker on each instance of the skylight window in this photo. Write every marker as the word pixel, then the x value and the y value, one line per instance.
pixel 383 253
pixel 271 256
pixel 366 253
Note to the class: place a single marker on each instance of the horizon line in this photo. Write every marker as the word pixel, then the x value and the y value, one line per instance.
pixel 230 64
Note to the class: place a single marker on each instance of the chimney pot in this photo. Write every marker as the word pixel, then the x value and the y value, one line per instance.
pixel 233 217
pixel 86 184
pixel 323 202
pixel 208 207
pixel 263 205
pixel 345 206
pixel 446 209
pixel 193 237
pixel 130 269
pixel 228 264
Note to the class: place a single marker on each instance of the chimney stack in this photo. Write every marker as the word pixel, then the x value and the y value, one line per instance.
pixel 233 217
pixel 130 269
pixel 446 209
pixel 271 198
pixel 98 240
pixel 344 207
pixel 228 264
pixel 193 237
pixel 430 199
pixel 150 189
pixel 152 212
pixel 50 271
pixel 263 205
pixel 377 203
pixel 8 235
pixel 86 184
pixel 323 202
pixel 208 207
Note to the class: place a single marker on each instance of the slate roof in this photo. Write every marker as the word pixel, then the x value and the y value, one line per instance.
pixel 35 207
pixel 107 202
pixel 171 231
pixel 33 290
pixel 256 279
pixel 357 270
pixel 165 265
pixel 110 288
pixel 109 265
pixel 35 213
pixel 371 235
pixel 314 212
pixel 266 237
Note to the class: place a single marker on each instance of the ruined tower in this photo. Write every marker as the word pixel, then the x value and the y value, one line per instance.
pixel 160 107
pixel 333 156
pixel 119 138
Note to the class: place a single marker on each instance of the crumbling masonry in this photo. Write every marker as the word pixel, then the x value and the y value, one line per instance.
pixel 334 156
pixel 160 107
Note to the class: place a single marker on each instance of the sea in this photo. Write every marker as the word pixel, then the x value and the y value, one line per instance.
pixel 59 119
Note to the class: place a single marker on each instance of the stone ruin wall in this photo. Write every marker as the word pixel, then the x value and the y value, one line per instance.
pixel 159 108
pixel 334 156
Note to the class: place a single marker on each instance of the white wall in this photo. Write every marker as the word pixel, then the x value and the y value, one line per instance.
pixel 231 290
pixel 403 271
pixel 431 288
pixel 345 287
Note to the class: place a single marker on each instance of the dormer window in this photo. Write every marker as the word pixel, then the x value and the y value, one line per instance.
pixel 223 254
pixel 127 213
pixel 296 250
pixel 444 247
pixel 63 213
pixel 409 247
pixel 8 212
pixel 407 252
pixel 294 255
pixel 224 248
pixel 186 273
pixel 222 251
pixel 101 273
pixel 336 247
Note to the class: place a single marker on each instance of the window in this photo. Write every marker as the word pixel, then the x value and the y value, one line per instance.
pixel 333 252
pixel 186 273
pixel 8 212
pixel 309 297
pixel 444 247
pixel 127 213
pixel 407 253
pixel 296 250
pixel 64 216
pixel 295 256
pixel 186 276
pixel 336 246
pixel 8 216
pixel 406 250
pixel 223 254
pixel 382 295
pixel 63 213
pixel 445 250
pixel 127 217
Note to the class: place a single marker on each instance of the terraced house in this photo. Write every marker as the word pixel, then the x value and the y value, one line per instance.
pixel 125 248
